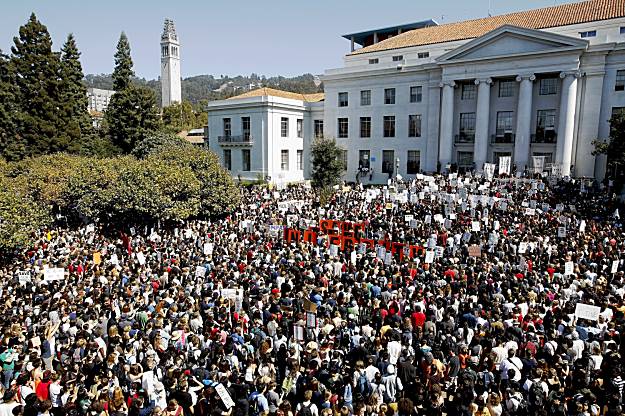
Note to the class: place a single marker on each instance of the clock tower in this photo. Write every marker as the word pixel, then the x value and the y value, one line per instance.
pixel 170 65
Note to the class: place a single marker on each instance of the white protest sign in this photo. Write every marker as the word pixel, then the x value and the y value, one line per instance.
pixel 23 277
pixel 614 266
pixel 439 251
pixel 200 271
pixel 298 332
pixel 208 249
pixel 429 257
pixel 408 218
pixel 53 273
pixel 428 219
pixel 522 247
pixel 475 226
pixel 585 311
pixel 224 396
pixel 334 250
pixel 352 257
pixel 388 258
pixel 114 260
pixel 504 165
pixel 141 258
pixel 568 268
pixel 582 226
pixel 561 232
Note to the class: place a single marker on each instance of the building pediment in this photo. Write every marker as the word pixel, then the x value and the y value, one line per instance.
pixel 512 41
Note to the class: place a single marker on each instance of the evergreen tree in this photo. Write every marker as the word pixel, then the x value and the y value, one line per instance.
pixel 11 145
pixel 74 94
pixel 326 163
pixel 132 114
pixel 37 69
pixel 123 73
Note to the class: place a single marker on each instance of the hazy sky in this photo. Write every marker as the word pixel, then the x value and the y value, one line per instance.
pixel 270 37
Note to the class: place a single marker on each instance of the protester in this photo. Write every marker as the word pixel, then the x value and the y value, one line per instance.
pixel 499 296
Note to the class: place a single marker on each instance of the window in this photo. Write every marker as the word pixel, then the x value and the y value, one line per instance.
pixel 465 159
pixel 284 160
pixel 398 58
pixel 318 128
pixel 622 31
pixel 416 94
pixel 468 91
pixel 245 127
pixel 365 97
pixel 588 34
pixel 388 160
pixel 506 88
pixel 300 127
pixel 413 162
pixel 373 61
pixel 363 159
pixel 227 127
pixel 620 80
pixel 467 127
pixel 548 86
pixel 343 126
pixel 343 99
pixel 365 126
pixel 389 126
pixel 414 125
pixel 389 96
pixel 228 159
pixel 546 119
pixel 504 122
pixel 300 160
pixel 422 55
pixel 343 159
pixel 284 127
pixel 245 158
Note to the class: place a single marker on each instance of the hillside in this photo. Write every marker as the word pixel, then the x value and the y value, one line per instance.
pixel 202 88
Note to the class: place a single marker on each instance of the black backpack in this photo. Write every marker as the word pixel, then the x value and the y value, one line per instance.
pixel 305 410
pixel 536 395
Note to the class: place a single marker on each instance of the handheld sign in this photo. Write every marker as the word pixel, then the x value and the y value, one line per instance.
pixel 224 396
pixel 475 251
pixel 429 257
pixel 53 273
pixel 568 267
pixel 614 266
pixel 200 271
pixel 585 311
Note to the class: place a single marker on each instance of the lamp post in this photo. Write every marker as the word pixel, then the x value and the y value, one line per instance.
pixel 396 167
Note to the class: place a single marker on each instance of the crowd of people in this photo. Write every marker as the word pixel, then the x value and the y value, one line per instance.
pixel 518 309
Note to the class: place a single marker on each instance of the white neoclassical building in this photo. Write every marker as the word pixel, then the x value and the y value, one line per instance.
pixel 423 97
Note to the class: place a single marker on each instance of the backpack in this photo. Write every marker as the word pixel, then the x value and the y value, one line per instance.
pixel 364 386
pixel 536 395
pixel 305 410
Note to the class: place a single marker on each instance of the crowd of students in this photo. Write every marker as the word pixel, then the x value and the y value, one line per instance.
pixel 518 309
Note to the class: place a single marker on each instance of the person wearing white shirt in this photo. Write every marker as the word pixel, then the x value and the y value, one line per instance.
pixel 511 363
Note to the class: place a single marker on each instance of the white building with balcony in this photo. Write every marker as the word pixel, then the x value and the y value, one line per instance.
pixel 265 134
pixel 540 83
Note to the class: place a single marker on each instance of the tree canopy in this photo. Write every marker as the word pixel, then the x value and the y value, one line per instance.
pixel 326 163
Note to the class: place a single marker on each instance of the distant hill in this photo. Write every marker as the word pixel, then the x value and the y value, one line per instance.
pixel 203 88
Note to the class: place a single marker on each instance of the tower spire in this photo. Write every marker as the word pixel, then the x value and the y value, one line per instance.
pixel 170 65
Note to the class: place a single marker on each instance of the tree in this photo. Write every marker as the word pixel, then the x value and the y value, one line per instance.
pixel 614 148
pixel 156 142
pixel 74 94
pixel 123 73
pixel 218 193
pixel 326 163
pixel 131 116
pixel 180 116
pixel 11 145
pixel 37 69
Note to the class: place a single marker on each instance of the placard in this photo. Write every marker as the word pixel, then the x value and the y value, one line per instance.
pixel 97 258
pixel 568 268
pixel 298 332
pixel 200 271
pixel 23 276
pixel 141 258
pixel 429 257
pixel 475 251
pixel 475 226
pixel 388 258
pixel 224 396
pixel 522 247
pixel 582 226
pixel 585 311
pixel 311 320
pixel 208 249
pixel 561 232
pixel 53 273
pixel 352 257
pixel 504 165
pixel 614 266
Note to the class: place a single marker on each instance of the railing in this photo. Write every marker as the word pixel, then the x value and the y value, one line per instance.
pixel 464 138
pixel 240 139
pixel 503 138
pixel 547 136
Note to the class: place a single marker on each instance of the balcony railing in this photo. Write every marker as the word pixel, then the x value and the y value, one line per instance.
pixel 242 139
pixel 502 138
pixel 547 136
pixel 463 138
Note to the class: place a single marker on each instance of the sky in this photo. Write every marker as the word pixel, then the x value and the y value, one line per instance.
pixel 235 37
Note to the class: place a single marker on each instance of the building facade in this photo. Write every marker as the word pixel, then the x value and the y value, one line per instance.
pixel 265 134
pixel 98 99
pixel 537 84
pixel 171 86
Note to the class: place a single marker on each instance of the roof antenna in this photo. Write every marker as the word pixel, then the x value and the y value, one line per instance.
pixel 489 8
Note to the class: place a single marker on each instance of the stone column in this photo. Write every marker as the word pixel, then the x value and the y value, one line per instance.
pixel 446 141
pixel 568 98
pixel 482 118
pixel 523 121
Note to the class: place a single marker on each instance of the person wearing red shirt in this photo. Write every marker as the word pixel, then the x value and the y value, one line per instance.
pixel 417 317
pixel 43 389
